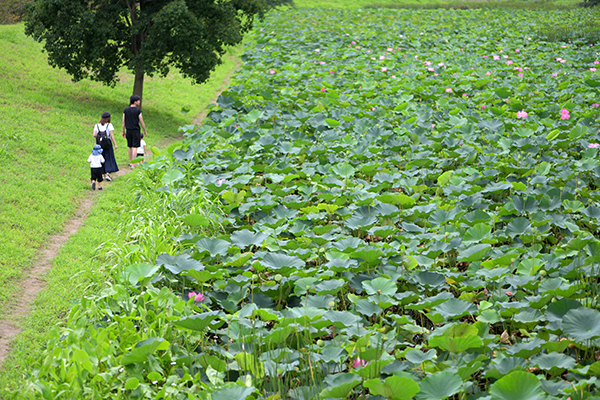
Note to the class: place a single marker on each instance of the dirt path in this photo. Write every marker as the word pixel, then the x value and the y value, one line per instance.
pixel 34 281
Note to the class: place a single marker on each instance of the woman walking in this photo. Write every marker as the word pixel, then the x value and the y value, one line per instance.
pixel 103 132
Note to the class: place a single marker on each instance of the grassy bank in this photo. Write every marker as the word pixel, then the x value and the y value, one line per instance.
pixel 46 137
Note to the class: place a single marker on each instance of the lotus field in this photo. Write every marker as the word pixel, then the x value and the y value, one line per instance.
pixel 384 205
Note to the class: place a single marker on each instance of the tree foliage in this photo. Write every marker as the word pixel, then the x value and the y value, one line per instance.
pixel 589 3
pixel 96 38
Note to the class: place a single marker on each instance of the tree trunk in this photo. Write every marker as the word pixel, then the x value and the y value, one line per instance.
pixel 138 85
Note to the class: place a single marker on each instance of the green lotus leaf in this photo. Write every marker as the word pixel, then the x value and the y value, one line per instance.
pixel 341 386
pixel 367 308
pixel 526 349
pixel 372 256
pixel 558 309
pixel 233 393
pixel 245 238
pixel 477 233
pixel 304 286
pixel 381 286
pixel 341 319
pixel 172 176
pixel 517 226
pixel 179 263
pixel 196 220
pixel 517 385
pixel 440 385
pixel 581 324
pixel 554 363
pixel 331 286
pixel 137 272
pixel 430 279
pixel 143 349
pixel 418 357
pixel 474 253
pixel 454 308
pixel 214 246
pixel 393 388
pixel 200 322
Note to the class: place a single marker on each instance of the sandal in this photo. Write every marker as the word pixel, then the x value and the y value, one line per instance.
pixel 108 178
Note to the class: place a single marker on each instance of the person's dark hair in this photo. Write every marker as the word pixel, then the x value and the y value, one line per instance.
pixel 105 119
pixel 134 98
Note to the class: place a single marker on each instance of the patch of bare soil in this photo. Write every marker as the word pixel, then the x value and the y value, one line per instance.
pixel 34 282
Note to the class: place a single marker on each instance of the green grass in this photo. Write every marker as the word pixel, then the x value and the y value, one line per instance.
pixel 45 140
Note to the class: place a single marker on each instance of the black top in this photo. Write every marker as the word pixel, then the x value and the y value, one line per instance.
pixel 132 119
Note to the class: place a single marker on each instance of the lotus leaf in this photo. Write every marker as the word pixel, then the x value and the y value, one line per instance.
pixel 393 388
pixel 582 324
pixel 439 386
pixel 517 385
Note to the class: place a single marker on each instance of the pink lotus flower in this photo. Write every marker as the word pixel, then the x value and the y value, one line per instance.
pixel 390 49
pixel 509 62
pixel 517 50
pixel 593 69
pixel 521 114
pixel 430 69
pixel 198 297
pixel 358 362
pixel 220 181
pixel 520 74
pixel 554 74
pixel 593 145
pixel 488 73
pixel 427 63
pixel 565 116
pixel 382 57
pixel 483 106
pixel 383 69
pixel 449 90
pixel 353 42
pixel 595 105
pixel 509 293
pixel 272 71
pixel 496 58
pixel 317 50
pixel 596 62
pixel 323 90
pixel 322 62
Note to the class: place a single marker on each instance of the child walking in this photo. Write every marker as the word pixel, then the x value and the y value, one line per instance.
pixel 141 151
pixel 96 160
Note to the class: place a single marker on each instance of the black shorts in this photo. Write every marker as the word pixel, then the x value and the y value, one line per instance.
pixel 97 174
pixel 133 138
